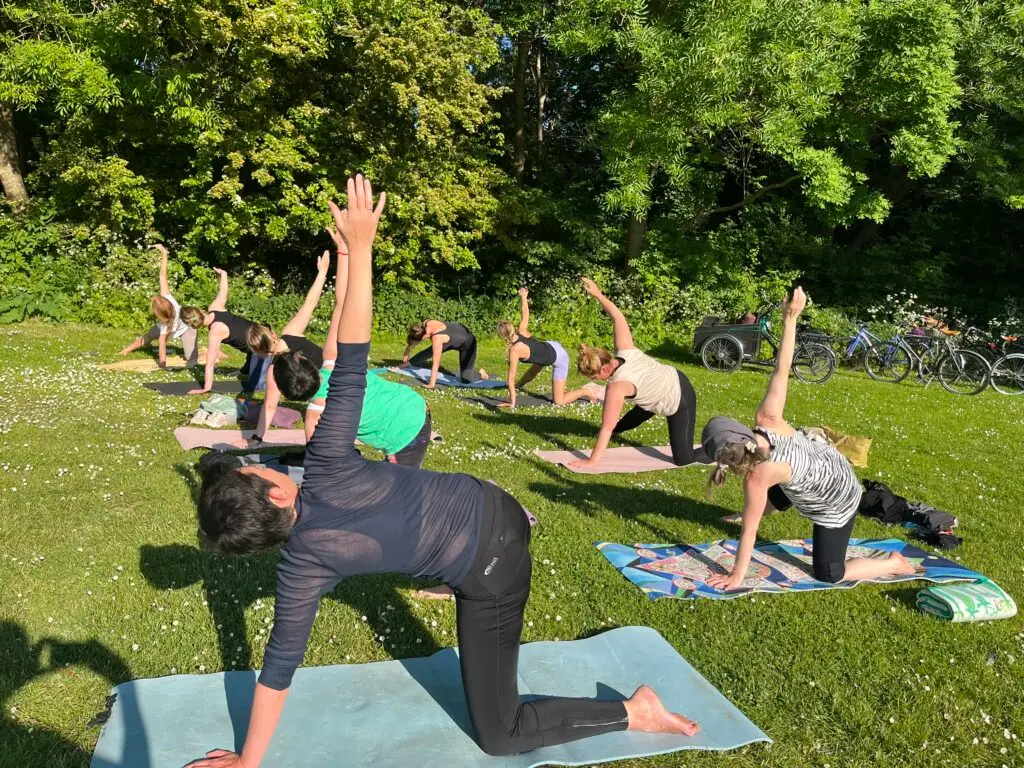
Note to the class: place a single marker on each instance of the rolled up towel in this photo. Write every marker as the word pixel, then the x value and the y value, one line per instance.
pixel 981 601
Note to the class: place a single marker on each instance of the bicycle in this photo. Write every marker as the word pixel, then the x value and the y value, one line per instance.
pixel 1007 374
pixel 889 361
pixel 725 347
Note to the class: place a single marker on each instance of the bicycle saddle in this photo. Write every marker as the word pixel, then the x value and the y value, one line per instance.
pixel 1011 339
pixel 949 332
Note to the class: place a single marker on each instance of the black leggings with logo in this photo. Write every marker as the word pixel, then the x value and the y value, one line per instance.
pixel 489 606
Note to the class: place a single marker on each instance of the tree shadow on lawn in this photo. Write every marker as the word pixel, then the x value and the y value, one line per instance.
pixel 551 428
pixel 591 497
pixel 34 745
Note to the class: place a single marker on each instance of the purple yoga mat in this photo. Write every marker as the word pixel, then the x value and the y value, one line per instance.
pixel 283 417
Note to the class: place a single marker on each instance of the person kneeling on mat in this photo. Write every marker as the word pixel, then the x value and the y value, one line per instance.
pixel 224 328
pixel 780 467
pixel 654 388
pixel 524 348
pixel 353 516
pixel 443 337
pixel 395 419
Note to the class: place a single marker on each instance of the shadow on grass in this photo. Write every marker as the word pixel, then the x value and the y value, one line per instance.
pixel 676 352
pixel 33 745
pixel 592 497
pixel 552 427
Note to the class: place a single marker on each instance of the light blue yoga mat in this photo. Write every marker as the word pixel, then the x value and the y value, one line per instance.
pixel 422 375
pixel 411 713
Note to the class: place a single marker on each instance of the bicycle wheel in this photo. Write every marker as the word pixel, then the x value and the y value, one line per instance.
pixel 963 372
pixel 888 362
pixel 1007 375
pixel 722 353
pixel 813 362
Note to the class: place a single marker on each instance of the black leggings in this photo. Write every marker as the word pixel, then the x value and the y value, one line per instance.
pixel 467 359
pixel 489 605
pixel 828 555
pixel 680 424
pixel 414 453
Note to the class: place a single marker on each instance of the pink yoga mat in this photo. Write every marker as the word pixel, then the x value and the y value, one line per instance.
pixel 283 417
pixel 222 439
pixel 617 460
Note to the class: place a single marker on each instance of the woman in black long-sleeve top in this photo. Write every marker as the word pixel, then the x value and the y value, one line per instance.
pixel 354 516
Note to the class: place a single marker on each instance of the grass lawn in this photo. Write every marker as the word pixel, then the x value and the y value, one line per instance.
pixel 101 579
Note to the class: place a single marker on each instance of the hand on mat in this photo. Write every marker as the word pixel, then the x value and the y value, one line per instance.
pixel 216 758
pixel 506 405
pixel 430 386
pixel 792 307
pixel 198 391
pixel 724 582
pixel 582 464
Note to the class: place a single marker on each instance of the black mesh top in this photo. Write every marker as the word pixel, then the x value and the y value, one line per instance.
pixel 358 516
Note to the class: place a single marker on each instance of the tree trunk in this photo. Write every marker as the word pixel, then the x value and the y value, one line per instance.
pixel 542 97
pixel 519 95
pixel 10 170
pixel 636 233
pixel 896 187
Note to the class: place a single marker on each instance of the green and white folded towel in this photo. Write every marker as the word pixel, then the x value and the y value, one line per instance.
pixel 980 601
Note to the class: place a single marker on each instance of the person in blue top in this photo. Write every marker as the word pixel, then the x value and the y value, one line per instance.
pixel 354 516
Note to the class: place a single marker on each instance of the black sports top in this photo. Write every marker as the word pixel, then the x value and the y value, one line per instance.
pixel 541 353
pixel 459 336
pixel 238 329
pixel 310 350
pixel 357 516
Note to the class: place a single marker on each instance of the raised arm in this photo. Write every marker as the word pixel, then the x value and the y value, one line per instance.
pixel 298 324
pixel 623 336
pixel 524 311
pixel 220 301
pixel 333 443
pixel 165 285
pixel 770 412
pixel 340 291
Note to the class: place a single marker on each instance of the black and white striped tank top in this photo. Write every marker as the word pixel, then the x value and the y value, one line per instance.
pixel 824 487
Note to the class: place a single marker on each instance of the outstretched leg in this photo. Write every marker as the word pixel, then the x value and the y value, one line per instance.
pixel 142 341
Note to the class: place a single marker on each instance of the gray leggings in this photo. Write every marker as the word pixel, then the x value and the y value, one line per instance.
pixel 189 344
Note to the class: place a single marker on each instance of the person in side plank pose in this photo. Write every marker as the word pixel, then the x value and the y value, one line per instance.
pixel 524 348
pixel 782 467
pixel 353 516
pixel 224 328
pixel 169 325
pixel 653 387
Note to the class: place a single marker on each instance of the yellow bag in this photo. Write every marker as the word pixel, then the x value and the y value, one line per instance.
pixel 853 447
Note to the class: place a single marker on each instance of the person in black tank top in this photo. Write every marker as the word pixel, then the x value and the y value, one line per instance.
pixel 224 328
pixel 354 516
pixel 524 348
pixel 296 362
pixel 443 337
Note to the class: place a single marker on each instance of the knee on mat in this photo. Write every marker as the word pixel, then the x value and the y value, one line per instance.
pixel 494 744
pixel 831 573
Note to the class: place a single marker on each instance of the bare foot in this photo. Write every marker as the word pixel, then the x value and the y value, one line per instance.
pixel 646 713
pixel 434 593
pixel 484 375
pixel 900 565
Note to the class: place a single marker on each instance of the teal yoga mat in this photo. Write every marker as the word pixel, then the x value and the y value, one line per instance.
pixel 396 714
